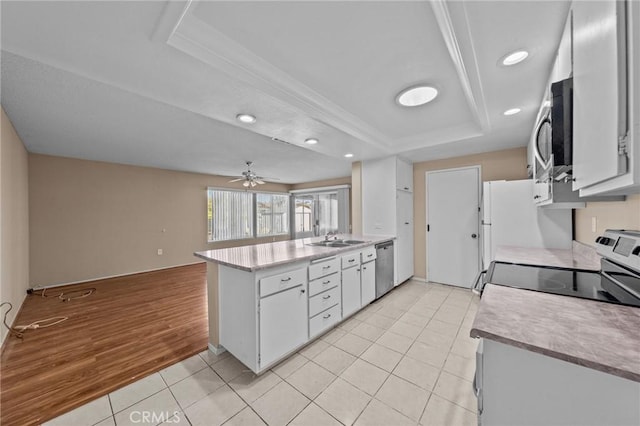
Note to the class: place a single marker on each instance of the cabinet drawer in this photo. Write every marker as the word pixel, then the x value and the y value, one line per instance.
pixel 323 301
pixel 322 284
pixel 350 260
pixel 368 254
pixel 282 281
pixel 323 267
pixel 324 320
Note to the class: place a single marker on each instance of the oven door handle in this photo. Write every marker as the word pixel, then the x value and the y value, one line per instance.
pixel 478 284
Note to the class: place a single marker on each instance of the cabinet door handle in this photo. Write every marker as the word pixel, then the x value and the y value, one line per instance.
pixel 406 188
pixel 303 291
pixel 326 267
pixel 327 316
pixel 370 255
pixel 326 297
pixel 358 270
pixel 326 282
pixel 351 260
pixel 284 280
pixel 364 268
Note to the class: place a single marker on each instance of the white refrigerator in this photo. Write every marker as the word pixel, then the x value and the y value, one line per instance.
pixel 509 218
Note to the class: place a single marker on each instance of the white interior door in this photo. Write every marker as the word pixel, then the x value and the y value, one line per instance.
pixel 453 226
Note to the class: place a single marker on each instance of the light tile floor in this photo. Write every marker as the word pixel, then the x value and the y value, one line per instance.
pixel 405 359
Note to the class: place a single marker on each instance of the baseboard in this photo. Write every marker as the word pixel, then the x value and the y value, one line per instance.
pixel 114 276
pixel 422 280
pixel 217 350
pixel 6 337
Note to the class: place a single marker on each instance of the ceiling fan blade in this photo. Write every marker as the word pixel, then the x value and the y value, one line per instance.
pixel 236 180
pixel 258 181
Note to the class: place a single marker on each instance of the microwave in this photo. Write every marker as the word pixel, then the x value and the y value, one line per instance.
pixel 553 136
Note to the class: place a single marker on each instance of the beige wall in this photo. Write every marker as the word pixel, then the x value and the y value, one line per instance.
pixel 322 183
pixel 510 164
pixel 614 215
pixel 14 220
pixel 91 219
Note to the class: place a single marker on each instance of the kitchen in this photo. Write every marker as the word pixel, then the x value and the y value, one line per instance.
pixel 122 122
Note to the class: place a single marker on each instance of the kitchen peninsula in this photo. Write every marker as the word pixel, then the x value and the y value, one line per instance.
pixel 267 300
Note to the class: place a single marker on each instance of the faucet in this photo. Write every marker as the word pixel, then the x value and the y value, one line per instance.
pixel 331 234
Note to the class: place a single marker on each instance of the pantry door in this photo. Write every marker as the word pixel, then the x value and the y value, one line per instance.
pixel 453 222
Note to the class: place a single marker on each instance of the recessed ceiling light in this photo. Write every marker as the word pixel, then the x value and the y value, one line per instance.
pixel 349 155
pixel 311 141
pixel 246 118
pixel 515 57
pixel 417 95
pixel 512 111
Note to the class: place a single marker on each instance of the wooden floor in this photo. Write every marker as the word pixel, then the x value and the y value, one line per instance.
pixel 128 328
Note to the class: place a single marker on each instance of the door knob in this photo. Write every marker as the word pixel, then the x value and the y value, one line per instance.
pixel 474 236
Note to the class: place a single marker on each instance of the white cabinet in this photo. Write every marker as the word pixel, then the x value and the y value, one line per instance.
pixel 267 314
pixel 325 296
pixel 519 387
pixel 606 118
pixel 404 251
pixel 283 323
pixel 263 314
pixel 404 175
pixel 350 290
pixel 368 283
pixel 387 210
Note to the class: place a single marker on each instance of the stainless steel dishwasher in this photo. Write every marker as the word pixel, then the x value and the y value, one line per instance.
pixel 384 268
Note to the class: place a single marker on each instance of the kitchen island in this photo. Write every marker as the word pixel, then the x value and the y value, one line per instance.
pixel 268 300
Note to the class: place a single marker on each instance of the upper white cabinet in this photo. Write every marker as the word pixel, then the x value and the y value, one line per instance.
pixel 606 114
pixel 563 67
pixel 387 208
pixel 404 175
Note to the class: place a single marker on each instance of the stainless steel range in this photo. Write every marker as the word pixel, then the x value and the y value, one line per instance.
pixel 618 281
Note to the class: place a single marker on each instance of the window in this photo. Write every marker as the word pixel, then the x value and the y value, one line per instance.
pixel 273 214
pixel 235 215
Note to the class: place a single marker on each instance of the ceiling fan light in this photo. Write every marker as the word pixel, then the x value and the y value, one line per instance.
pixel 416 96
pixel 246 183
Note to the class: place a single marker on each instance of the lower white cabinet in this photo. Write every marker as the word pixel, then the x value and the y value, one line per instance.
pixel 368 283
pixel 520 387
pixel 351 301
pixel 283 323
pixel 269 313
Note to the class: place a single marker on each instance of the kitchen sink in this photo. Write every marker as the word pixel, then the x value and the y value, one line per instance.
pixel 336 243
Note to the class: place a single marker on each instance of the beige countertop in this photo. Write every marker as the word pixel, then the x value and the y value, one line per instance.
pixel 580 257
pixel 598 335
pixel 260 256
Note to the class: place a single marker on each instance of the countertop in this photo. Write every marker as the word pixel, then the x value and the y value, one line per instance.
pixel 580 257
pixel 260 256
pixel 598 335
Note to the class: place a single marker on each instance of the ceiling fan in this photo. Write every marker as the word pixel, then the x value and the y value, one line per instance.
pixel 250 178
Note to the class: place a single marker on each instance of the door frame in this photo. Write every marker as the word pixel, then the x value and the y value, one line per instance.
pixel 476 167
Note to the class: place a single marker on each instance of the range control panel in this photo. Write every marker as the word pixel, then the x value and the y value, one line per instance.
pixel 621 246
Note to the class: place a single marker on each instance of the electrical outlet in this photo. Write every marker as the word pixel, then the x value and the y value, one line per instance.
pixel 159 252
pixel 594 224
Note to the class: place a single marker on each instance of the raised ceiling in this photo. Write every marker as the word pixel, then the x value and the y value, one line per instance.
pixel 159 84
